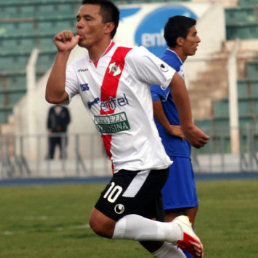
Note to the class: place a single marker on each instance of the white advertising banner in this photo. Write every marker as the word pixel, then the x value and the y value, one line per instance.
pixel 143 24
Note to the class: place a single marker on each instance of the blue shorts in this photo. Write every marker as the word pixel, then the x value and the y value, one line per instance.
pixel 179 190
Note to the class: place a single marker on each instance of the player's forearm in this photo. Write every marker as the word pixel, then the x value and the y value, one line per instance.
pixel 55 90
pixel 180 96
pixel 160 115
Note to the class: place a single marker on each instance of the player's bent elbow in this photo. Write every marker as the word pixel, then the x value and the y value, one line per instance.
pixel 50 100
pixel 53 99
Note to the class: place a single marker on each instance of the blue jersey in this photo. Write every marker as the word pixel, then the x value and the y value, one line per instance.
pixel 174 146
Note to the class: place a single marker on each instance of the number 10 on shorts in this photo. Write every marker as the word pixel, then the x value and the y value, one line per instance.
pixel 113 192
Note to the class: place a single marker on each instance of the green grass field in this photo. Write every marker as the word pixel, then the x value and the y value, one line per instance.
pixel 52 221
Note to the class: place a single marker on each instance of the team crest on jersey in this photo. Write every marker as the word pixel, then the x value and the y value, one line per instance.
pixel 114 69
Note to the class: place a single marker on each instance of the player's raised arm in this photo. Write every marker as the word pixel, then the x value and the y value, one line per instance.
pixel 194 135
pixel 55 91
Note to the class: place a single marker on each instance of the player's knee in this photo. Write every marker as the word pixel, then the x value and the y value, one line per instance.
pixel 101 226
pixel 96 226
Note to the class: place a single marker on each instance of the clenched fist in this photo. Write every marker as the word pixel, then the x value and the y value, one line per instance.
pixel 66 40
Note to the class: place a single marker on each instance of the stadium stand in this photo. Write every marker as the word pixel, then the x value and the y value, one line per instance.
pixel 242 21
pixel 247 2
pixel 252 69
pixel 25 25
pixel 247 109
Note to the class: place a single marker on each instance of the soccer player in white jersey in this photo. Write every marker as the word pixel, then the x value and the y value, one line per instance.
pixel 113 82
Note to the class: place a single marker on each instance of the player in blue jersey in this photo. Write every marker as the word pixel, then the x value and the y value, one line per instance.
pixel 179 192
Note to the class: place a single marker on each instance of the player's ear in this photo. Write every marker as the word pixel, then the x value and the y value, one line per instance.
pixel 109 27
pixel 180 41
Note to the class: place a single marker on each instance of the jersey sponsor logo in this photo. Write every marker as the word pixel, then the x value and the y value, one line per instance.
pixel 110 124
pixel 114 69
pixel 109 105
pixel 112 103
pixel 91 103
pixel 84 87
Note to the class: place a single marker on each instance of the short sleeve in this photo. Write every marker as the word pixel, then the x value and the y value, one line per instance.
pixel 149 68
pixel 158 93
pixel 71 83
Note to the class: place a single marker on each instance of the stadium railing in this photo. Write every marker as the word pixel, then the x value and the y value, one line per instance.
pixel 26 156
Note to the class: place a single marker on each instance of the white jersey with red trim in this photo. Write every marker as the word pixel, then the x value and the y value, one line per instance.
pixel 116 91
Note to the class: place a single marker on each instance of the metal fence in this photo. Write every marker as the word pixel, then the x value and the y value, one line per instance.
pixel 218 157
pixel 26 156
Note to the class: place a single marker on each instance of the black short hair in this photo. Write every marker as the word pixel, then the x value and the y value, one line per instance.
pixel 177 26
pixel 108 10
